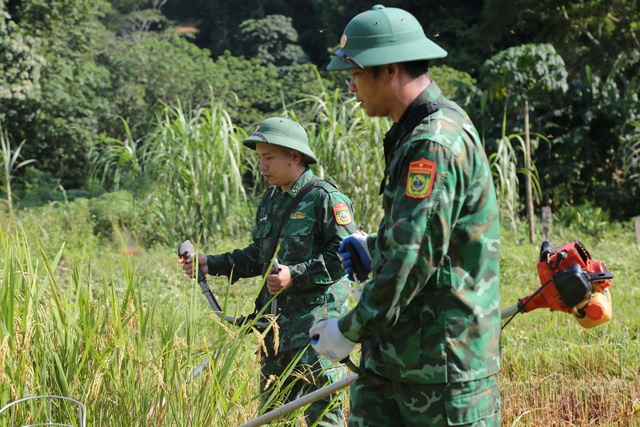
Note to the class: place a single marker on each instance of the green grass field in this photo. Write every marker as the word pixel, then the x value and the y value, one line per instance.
pixel 121 333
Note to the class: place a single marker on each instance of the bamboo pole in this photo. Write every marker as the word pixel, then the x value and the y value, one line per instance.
pixel 302 401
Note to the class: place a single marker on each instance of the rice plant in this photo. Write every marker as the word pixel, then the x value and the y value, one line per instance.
pixel 115 341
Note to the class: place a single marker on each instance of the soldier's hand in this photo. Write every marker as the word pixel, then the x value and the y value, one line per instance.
pixel 327 340
pixel 277 281
pixel 355 256
pixel 189 268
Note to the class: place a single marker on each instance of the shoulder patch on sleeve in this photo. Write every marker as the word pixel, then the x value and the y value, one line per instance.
pixel 420 179
pixel 342 213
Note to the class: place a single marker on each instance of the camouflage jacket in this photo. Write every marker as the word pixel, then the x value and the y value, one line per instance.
pixel 308 246
pixel 431 311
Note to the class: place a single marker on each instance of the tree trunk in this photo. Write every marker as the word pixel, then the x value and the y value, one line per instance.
pixel 527 165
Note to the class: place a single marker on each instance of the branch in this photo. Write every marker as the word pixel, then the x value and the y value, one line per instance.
pixel 625 22
pixel 583 30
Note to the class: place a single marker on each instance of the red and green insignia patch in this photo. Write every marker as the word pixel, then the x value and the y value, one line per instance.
pixel 420 179
pixel 342 213
pixel 298 215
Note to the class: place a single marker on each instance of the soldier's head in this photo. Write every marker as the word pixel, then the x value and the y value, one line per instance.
pixel 283 148
pixel 383 35
pixel 388 54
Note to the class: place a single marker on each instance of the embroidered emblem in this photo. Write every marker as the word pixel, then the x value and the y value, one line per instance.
pixel 420 179
pixel 342 213
pixel 298 215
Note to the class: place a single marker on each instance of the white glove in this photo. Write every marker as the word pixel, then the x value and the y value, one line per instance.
pixel 327 340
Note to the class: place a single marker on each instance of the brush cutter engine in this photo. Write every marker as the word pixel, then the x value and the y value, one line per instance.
pixel 572 282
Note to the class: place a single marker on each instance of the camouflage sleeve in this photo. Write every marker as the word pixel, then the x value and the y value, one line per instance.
pixel 334 223
pixel 240 263
pixel 413 236
pixel 236 265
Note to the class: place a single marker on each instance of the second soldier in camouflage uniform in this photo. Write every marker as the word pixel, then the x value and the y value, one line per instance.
pixel 429 318
pixel 312 284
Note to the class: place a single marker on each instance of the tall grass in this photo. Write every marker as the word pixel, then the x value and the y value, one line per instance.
pixel 504 161
pixel 349 146
pixel 114 342
pixel 188 170
pixel 122 334
pixel 194 161
pixel 10 163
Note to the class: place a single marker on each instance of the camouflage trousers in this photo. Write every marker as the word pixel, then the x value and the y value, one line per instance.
pixel 294 379
pixel 378 402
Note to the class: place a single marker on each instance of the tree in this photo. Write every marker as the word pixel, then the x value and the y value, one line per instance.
pixel 147 69
pixel 523 75
pixel 59 117
pixel 593 158
pixel 272 39
pixel 594 33
pixel 20 64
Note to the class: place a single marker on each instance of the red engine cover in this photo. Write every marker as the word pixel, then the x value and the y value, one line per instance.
pixel 553 260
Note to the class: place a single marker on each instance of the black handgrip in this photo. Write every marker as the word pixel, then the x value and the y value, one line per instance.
pixel 601 275
pixel 358 268
pixel 544 249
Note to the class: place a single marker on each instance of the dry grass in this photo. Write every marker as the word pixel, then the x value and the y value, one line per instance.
pixel 560 400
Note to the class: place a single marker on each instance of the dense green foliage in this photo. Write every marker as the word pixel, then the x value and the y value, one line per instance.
pixel 73 72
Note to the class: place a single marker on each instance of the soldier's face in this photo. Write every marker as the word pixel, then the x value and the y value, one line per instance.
pixel 370 91
pixel 279 166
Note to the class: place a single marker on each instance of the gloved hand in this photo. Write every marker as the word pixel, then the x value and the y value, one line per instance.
pixel 327 340
pixel 357 241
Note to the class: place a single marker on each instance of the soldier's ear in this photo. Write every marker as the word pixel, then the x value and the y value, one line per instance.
pixel 296 156
pixel 391 70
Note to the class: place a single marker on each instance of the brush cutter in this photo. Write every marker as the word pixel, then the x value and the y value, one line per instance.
pixel 571 282
pixel 184 251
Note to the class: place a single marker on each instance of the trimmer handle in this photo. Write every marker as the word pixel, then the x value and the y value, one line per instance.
pixel 358 268
pixel 184 250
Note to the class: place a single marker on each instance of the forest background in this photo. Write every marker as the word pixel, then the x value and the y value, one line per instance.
pixel 87 86
pixel 120 132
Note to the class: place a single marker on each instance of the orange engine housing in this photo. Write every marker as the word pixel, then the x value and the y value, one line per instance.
pixel 568 276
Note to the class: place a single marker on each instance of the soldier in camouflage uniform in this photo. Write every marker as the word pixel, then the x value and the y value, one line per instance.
pixel 428 320
pixel 311 284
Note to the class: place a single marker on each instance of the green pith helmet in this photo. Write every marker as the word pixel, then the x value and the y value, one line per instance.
pixel 383 35
pixel 283 132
